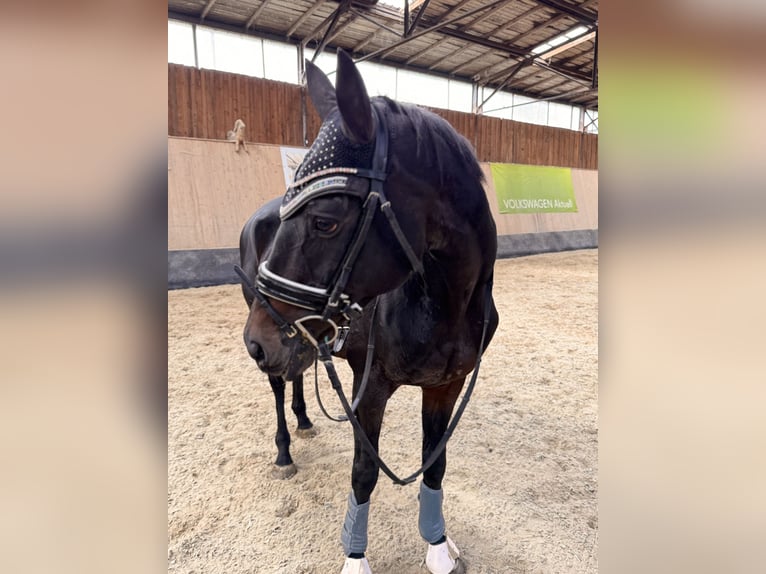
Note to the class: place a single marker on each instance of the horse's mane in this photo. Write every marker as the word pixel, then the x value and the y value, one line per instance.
pixel 439 147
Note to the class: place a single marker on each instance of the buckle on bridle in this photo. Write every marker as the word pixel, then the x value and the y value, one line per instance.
pixel 352 311
pixel 288 330
pixel 340 341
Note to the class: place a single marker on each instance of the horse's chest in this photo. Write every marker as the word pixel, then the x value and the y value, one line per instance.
pixel 426 354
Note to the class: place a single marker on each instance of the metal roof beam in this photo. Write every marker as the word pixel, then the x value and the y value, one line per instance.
pixel 383 51
pixel 318 29
pixel 373 21
pixel 515 20
pixel 427 49
pixel 541 26
pixel 516 69
pixel 342 7
pixel 571 10
pixel 542 81
pixel 574 75
pixel 568 59
pixel 578 92
pixel 486 14
pixel 486 42
pixel 571 75
pixel 451 55
pixel 255 15
pixel 594 80
pixel 339 30
pixel 303 17
pixel 497 75
pixel 462 27
pixel 477 76
pixel 416 21
pixel 206 9
pixel 366 41
pixel 452 10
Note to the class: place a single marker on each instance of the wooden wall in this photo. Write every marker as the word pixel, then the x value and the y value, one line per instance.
pixel 212 191
pixel 506 141
pixel 205 103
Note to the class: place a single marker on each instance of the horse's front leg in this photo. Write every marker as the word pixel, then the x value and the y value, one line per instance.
pixel 283 467
pixel 442 556
pixel 364 477
pixel 305 427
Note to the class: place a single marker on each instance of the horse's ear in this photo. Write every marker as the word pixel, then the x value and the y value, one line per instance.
pixel 321 92
pixel 353 101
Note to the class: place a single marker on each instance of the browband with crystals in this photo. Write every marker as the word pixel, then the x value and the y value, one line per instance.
pixel 324 182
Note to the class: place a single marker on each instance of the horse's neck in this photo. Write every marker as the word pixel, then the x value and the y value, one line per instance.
pixel 461 246
pixel 454 272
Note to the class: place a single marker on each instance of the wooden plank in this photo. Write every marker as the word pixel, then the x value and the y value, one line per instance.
pixel 205 109
pixel 205 103
pixel 174 106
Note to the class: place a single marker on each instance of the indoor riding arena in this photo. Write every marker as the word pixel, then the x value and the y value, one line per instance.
pixel 517 79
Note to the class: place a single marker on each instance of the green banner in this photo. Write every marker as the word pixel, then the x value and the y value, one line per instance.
pixel 533 188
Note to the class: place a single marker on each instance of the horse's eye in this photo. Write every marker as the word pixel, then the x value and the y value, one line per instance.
pixel 325 225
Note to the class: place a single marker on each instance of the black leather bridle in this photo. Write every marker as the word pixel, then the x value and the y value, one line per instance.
pixel 331 302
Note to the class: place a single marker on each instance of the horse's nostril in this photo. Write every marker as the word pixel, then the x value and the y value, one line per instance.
pixel 256 351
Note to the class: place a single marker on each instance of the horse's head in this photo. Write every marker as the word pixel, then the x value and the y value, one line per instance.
pixel 340 243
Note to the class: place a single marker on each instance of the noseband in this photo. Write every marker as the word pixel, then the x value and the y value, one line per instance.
pixel 365 184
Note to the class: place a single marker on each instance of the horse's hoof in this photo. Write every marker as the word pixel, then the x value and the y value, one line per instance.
pixel 310 432
pixel 444 558
pixel 458 567
pixel 356 566
pixel 283 472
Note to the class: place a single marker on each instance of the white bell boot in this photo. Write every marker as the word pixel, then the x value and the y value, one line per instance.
pixel 356 566
pixel 444 558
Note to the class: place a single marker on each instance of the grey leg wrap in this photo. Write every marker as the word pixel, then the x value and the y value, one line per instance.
pixel 354 534
pixel 431 519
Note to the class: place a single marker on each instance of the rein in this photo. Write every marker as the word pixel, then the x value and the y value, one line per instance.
pixel 365 375
pixel 325 356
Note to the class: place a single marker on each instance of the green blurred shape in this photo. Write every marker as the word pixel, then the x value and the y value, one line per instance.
pixel 661 109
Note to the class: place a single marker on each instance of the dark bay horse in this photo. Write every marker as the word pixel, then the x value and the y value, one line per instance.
pixel 382 249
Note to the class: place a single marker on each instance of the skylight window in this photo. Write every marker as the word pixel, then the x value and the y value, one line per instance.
pixel 574 33
pixel 558 40
pixel 395 4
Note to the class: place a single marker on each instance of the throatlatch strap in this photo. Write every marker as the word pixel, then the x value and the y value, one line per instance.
pixel 416 264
